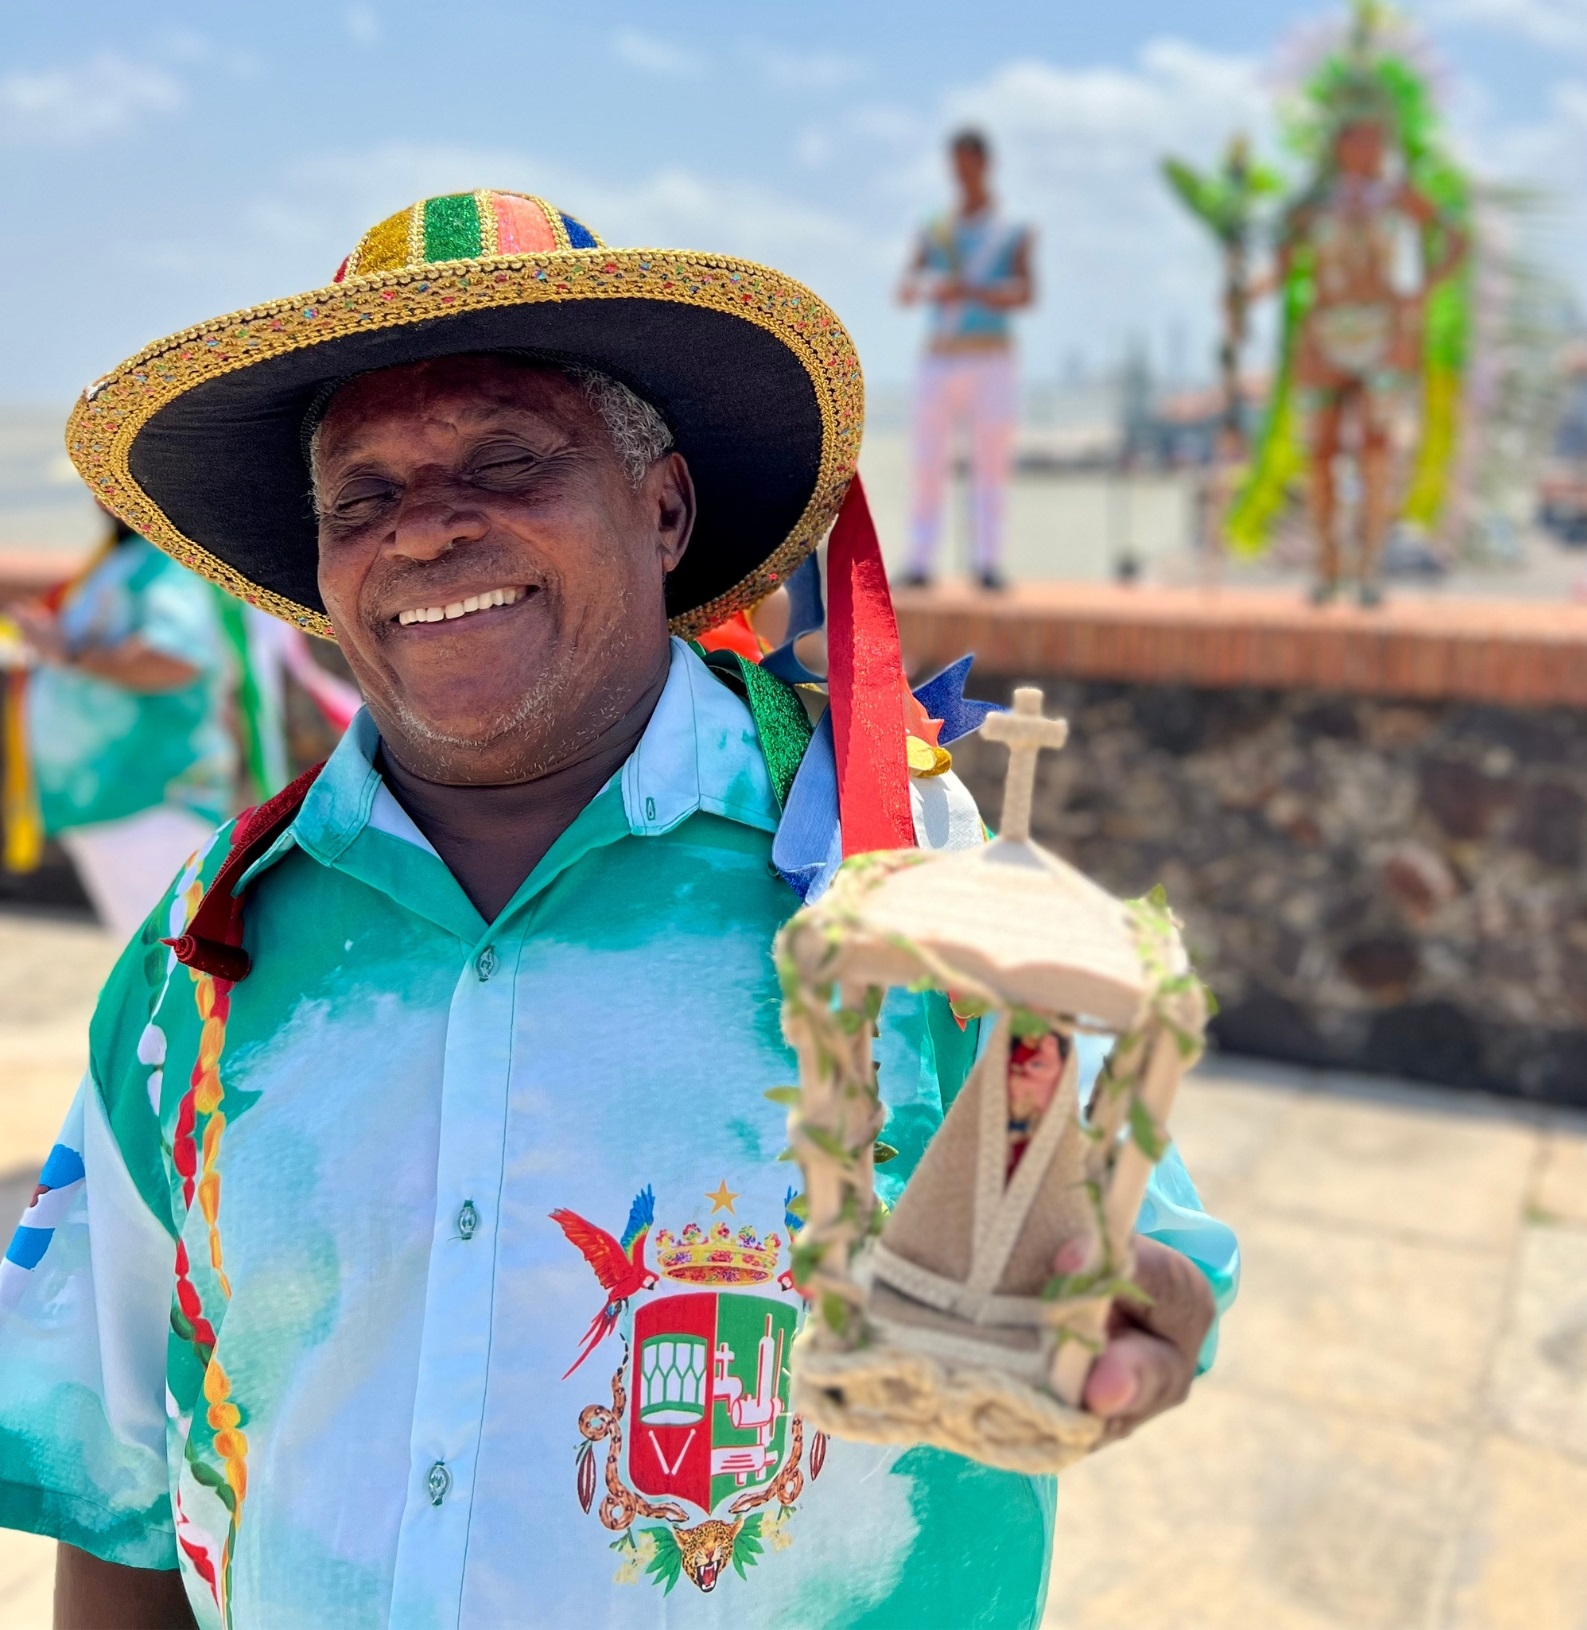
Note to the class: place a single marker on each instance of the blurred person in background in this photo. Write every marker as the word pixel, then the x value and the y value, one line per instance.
pixel 144 706
pixel 126 743
pixel 1373 274
pixel 1360 341
pixel 972 270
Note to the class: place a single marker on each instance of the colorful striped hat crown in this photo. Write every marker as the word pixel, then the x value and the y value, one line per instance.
pixel 465 226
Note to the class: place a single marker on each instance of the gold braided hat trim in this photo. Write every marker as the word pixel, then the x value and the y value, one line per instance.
pixel 107 418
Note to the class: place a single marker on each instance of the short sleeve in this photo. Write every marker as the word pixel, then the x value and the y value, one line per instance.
pixel 85 1293
pixel 1172 1213
pixel 932 247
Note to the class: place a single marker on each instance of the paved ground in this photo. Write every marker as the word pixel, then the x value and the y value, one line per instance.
pixel 50 968
pixel 1395 1437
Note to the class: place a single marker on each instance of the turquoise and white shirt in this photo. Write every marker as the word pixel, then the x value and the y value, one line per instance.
pixel 101 752
pixel 437 1273
pixel 979 251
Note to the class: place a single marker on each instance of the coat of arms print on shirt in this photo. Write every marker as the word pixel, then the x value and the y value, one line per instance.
pixel 701 1458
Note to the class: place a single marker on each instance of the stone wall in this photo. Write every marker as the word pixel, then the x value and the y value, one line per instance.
pixel 1366 882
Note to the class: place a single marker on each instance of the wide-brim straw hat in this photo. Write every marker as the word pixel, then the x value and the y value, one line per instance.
pixel 198 441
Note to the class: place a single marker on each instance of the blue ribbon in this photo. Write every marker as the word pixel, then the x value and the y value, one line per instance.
pixel 806 614
pixel 943 698
pixel 808 847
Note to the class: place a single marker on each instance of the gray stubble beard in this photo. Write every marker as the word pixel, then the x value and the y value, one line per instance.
pixel 551 699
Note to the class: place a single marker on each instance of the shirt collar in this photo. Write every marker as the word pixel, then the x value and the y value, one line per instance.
pixel 699 753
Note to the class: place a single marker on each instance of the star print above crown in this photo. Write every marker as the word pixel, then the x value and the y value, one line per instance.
pixel 721 1198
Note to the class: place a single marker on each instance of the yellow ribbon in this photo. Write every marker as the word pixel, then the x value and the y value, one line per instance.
pixel 19 802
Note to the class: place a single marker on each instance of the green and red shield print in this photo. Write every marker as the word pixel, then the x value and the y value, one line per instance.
pixel 709 1409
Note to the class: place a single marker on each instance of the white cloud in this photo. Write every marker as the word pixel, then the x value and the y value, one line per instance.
pixel 198 51
pixel 294 233
pixel 1073 121
pixel 654 56
pixel 870 133
pixel 184 45
pixel 808 71
pixel 1078 152
pixel 1559 25
pixel 362 23
pixel 60 107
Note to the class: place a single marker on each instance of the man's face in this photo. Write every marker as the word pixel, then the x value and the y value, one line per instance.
pixel 494 578
pixel 969 169
pixel 1359 150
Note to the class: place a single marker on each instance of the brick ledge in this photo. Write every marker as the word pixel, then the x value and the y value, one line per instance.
pixel 1514 652
pixel 1529 653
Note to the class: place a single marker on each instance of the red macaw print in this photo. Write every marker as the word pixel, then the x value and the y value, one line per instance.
pixel 619 1264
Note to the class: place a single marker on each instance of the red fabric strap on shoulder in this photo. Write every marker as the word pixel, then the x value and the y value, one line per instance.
pixel 865 674
pixel 213 941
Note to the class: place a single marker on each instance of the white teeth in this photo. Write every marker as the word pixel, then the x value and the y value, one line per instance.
pixel 461 608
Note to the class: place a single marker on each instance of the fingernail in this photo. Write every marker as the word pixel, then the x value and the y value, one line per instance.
pixel 1118 1392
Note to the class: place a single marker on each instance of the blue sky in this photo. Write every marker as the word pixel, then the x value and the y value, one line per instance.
pixel 165 162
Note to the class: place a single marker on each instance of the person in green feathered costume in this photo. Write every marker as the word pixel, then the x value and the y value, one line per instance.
pixel 1355 336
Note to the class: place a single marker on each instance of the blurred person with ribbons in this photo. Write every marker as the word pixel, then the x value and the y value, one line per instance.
pixel 418 1250
pixel 972 269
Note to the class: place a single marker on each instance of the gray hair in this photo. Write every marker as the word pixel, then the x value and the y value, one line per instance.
pixel 638 433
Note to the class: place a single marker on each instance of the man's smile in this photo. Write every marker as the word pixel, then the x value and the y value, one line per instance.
pixel 466 606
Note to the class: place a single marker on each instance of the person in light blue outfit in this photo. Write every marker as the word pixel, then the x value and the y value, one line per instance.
pixel 155 698
pixel 972 270
pixel 129 745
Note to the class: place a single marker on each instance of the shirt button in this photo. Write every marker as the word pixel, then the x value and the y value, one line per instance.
pixel 485 962
pixel 439 1482
pixel 467 1220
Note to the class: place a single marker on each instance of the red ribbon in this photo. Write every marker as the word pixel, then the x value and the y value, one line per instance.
pixel 865 683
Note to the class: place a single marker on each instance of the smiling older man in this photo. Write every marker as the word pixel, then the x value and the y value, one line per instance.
pixel 415 1245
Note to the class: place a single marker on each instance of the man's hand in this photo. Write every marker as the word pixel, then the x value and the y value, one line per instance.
pixel 1150 1359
